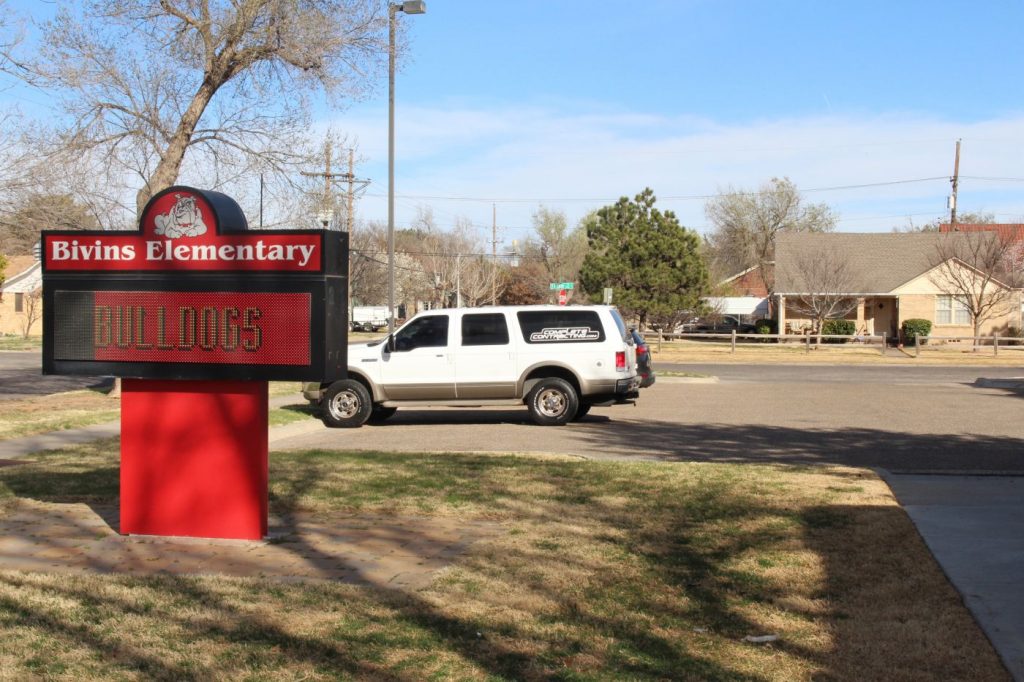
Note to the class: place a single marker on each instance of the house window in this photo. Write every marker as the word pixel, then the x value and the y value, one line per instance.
pixel 19 303
pixel 950 310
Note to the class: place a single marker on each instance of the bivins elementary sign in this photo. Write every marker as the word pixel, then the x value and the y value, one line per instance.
pixel 194 294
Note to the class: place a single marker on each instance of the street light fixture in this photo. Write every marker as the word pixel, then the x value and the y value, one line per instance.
pixel 409 7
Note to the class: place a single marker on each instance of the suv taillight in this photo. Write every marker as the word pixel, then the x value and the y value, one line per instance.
pixel 620 361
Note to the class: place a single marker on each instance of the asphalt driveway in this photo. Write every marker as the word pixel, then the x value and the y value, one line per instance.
pixel 966 425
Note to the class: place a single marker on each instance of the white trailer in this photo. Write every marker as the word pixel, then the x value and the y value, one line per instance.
pixel 368 318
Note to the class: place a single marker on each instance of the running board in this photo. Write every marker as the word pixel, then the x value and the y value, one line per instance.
pixel 451 403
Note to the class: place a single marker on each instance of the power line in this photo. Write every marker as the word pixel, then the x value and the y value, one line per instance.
pixel 680 197
pixel 990 179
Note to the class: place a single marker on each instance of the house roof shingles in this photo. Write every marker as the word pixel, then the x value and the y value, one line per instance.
pixel 23 275
pixel 878 262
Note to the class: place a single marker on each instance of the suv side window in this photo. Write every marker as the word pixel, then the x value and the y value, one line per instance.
pixel 565 326
pixel 488 329
pixel 423 332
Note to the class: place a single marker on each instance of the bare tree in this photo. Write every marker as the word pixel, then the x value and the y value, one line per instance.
pixel 146 85
pixel 227 81
pixel 561 250
pixel 828 280
pixel 746 223
pixel 368 278
pixel 32 310
pixel 475 280
pixel 976 270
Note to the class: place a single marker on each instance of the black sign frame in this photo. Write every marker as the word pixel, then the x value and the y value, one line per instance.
pixel 327 289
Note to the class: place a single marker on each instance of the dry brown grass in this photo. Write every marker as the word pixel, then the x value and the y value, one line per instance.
pixel 69 410
pixel 846 354
pixel 605 571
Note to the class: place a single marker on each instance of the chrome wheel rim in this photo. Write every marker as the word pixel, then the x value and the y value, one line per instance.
pixel 345 405
pixel 551 402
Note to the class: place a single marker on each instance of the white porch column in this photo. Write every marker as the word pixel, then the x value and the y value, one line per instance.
pixel 782 315
pixel 860 317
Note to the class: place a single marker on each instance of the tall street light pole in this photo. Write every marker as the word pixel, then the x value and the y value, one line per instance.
pixel 409 7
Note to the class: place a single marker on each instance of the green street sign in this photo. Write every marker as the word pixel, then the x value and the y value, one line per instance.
pixel 562 285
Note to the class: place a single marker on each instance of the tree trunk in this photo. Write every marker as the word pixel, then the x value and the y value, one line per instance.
pixel 166 173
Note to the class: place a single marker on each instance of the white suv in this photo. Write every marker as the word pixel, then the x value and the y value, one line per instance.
pixel 557 360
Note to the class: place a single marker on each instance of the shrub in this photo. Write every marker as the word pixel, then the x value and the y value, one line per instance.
pixel 915 327
pixel 838 327
pixel 765 326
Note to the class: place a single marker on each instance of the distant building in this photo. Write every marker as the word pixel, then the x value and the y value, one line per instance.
pixel 20 292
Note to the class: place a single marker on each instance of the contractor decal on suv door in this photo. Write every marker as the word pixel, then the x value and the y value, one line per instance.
pixel 565 334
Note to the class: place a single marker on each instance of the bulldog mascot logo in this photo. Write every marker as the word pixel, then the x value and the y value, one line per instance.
pixel 183 220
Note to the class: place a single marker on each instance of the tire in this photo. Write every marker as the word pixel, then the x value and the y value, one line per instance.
pixel 367 327
pixel 381 414
pixel 553 402
pixel 346 405
pixel 581 412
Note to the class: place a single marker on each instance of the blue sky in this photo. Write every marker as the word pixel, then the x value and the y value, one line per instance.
pixel 572 104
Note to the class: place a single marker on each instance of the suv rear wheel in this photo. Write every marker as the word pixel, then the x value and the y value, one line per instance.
pixel 553 402
pixel 346 404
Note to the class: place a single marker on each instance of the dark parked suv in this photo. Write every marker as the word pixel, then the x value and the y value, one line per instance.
pixel 644 365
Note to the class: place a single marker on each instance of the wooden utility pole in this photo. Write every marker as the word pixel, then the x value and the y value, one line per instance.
pixel 494 254
pixel 956 182
pixel 354 184
pixel 351 191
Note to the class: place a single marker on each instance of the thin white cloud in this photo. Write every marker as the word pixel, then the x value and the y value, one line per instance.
pixel 533 155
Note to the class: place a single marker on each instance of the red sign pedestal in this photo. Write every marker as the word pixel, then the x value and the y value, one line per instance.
pixel 194 458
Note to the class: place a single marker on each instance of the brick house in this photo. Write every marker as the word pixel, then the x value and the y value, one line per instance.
pixel 1007 231
pixel 746 283
pixel 19 296
pixel 891 277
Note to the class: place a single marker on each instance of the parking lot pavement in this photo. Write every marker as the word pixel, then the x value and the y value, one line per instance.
pixel 927 427
pixel 21 377
pixel 974 525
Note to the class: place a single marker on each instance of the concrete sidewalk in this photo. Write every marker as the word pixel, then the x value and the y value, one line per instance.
pixel 974 526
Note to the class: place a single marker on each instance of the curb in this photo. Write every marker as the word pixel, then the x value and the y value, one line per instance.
pixel 685 380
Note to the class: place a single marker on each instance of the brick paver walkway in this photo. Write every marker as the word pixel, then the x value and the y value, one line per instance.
pixel 385 551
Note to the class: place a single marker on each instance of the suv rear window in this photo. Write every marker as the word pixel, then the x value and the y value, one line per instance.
pixel 486 329
pixel 561 326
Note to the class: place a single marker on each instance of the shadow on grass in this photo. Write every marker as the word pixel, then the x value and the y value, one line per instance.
pixel 882 609
pixel 673 573
pixel 604 606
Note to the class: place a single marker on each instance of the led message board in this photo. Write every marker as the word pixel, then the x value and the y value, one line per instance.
pixel 195 294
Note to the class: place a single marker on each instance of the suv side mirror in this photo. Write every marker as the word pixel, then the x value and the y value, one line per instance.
pixel 389 345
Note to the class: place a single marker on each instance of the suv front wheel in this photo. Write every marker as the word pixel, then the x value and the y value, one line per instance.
pixel 346 404
pixel 553 402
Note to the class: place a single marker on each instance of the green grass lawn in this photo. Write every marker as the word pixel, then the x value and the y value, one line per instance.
pixel 18 342
pixel 601 571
